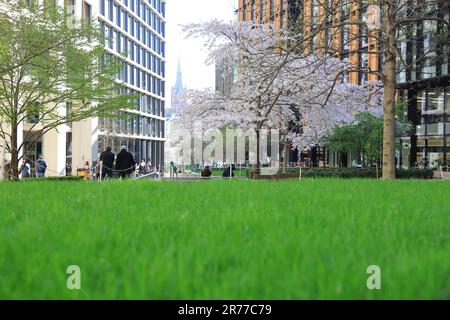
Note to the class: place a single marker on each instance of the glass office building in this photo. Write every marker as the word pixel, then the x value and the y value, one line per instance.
pixel 425 87
pixel 135 33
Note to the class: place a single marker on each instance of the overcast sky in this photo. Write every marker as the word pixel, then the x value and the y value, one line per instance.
pixel 196 74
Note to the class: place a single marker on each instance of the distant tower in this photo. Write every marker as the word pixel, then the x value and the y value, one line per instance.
pixel 179 82
pixel 178 91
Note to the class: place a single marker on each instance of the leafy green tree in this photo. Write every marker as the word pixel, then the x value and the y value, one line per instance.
pixel 49 60
pixel 363 137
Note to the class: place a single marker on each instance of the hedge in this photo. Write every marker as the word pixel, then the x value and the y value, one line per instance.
pixel 346 173
pixel 65 178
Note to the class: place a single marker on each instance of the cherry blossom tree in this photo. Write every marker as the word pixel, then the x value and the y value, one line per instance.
pixel 278 87
pixel 346 101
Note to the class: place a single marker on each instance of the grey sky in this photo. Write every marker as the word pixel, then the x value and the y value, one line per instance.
pixel 190 51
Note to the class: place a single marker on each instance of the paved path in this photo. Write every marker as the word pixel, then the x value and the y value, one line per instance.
pixel 445 175
pixel 198 178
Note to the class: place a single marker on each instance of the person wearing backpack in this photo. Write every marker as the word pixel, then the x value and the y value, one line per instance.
pixel 41 167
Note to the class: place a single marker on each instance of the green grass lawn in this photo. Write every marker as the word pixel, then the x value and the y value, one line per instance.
pixel 310 239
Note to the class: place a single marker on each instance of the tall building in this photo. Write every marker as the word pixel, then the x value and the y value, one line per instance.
pixel 226 69
pixel 177 104
pixel 424 84
pixel 306 15
pixel 224 75
pixel 136 29
pixel 135 33
pixel 278 12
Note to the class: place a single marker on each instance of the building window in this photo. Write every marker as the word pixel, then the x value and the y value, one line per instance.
pixel 345 38
pixel 272 10
pixel 401 67
pixel 110 10
pixel 71 4
pixel 262 11
pixel 429 49
pixel 131 23
pixel 421 101
pixel 282 13
pixel 314 13
pixel 447 106
pixel 118 17
pixel 87 11
pixel 364 61
pixel 102 7
pixel 253 11
pixel 435 101
pixel 111 37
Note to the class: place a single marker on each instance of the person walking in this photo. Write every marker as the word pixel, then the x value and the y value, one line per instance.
pixel 107 159
pixel 125 163
pixel 87 171
pixel 173 170
pixel 149 167
pixel 142 168
pixel 25 169
pixel 41 167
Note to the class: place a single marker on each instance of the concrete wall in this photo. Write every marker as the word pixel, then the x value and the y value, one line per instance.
pixel 54 152
pixel 84 143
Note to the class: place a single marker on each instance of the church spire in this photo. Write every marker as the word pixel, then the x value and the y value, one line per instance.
pixel 179 82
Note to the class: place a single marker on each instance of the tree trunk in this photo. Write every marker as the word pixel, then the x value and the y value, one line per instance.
pixel 389 81
pixel 257 170
pixel 285 156
pixel 14 165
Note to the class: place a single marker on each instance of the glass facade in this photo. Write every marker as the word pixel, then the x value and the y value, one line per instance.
pixel 432 124
pixel 135 33
pixel 425 85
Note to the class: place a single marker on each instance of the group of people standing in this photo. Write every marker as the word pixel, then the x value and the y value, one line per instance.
pixel 39 169
pixel 123 165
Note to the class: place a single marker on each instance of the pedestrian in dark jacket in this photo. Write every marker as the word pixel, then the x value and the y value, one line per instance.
pixel 41 167
pixel 206 173
pixel 107 159
pixel 125 163
pixel 226 173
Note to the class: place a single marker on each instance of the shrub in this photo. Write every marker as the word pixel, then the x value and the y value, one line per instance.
pixel 66 178
pixel 346 173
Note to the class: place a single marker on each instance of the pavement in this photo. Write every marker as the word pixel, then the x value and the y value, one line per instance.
pixel 440 175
